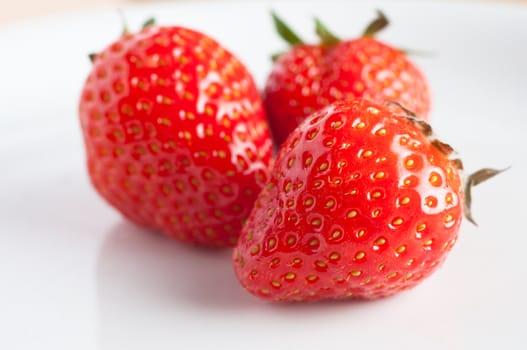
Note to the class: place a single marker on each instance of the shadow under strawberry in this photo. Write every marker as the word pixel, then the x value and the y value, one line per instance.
pixel 152 290
pixel 146 284
pixel 140 266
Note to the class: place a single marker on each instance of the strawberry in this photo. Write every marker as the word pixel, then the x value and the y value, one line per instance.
pixel 361 203
pixel 309 77
pixel 175 134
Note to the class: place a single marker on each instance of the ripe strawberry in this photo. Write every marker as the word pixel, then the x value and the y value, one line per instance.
pixel 175 134
pixel 361 203
pixel 309 77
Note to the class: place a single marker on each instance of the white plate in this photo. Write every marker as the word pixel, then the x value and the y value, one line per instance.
pixel 75 275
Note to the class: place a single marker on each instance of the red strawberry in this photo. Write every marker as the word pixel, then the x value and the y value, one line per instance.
pixel 175 134
pixel 309 77
pixel 361 203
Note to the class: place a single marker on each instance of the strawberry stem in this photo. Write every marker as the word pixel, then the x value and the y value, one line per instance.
pixel 326 37
pixel 376 25
pixel 285 31
pixel 149 22
pixel 276 56
pixel 473 180
pixel 126 30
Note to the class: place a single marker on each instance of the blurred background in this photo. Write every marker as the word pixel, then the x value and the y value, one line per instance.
pixel 12 10
pixel 19 9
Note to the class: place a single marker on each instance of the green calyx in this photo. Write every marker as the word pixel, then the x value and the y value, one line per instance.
pixel 326 36
pixel 472 180
pixel 148 23
pixel 375 26
pixel 92 56
pixel 469 182
pixel 322 31
pixel 285 31
pixel 125 29
pixel 276 56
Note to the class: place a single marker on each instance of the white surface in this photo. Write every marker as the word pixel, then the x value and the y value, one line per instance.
pixel 74 275
pixel 12 10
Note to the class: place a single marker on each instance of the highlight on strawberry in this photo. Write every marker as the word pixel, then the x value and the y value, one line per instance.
pixel 175 133
pixel 310 76
pixel 362 203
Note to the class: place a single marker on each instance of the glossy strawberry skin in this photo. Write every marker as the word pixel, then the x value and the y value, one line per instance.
pixel 360 204
pixel 175 134
pixel 292 89
pixel 309 77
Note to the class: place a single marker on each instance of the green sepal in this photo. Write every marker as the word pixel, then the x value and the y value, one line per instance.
pixel 149 22
pixel 474 180
pixel 376 25
pixel 92 56
pixel 276 56
pixel 125 29
pixel 285 31
pixel 326 36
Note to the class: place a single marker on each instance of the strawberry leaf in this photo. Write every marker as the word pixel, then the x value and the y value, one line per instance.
pixel 149 22
pixel 326 37
pixel 474 180
pixel 276 56
pixel 285 31
pixel 376 25
pixel 92 56
pixel 126 29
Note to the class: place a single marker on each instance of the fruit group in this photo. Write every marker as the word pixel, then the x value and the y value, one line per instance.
pixel 309 77
pixel 175 134
pixel 361 203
